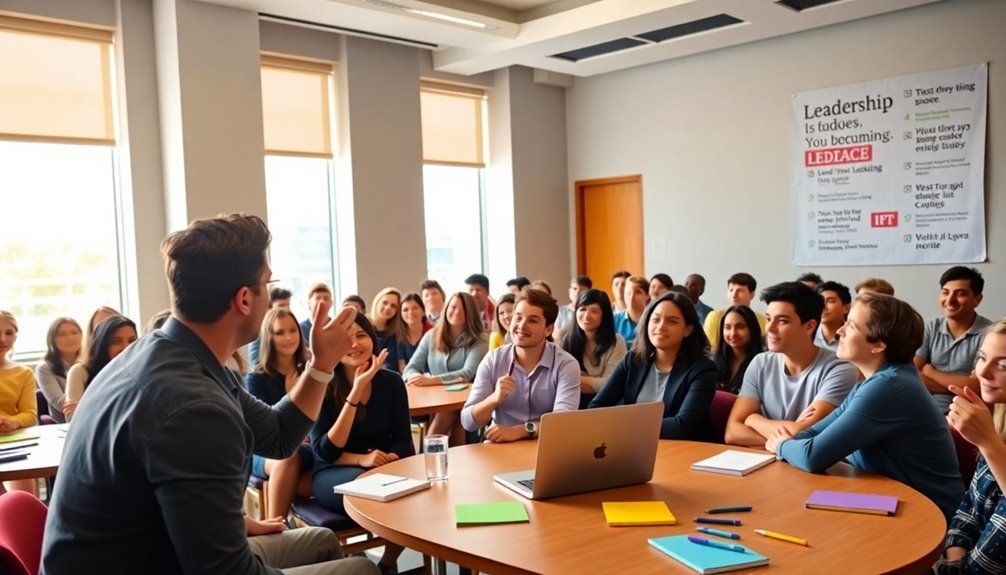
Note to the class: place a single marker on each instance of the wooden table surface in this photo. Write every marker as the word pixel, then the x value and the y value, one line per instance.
pixel 569 534
pixel 43 459
pixel 428 399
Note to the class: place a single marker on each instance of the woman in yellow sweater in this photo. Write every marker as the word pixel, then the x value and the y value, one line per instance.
pixel 17 393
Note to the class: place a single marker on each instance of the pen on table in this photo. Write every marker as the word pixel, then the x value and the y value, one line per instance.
pixel 717 521
pixel 734 509
pixel 717 532
pixel 399 480
pixel 717 544
pixel 781 537
pixel 16 447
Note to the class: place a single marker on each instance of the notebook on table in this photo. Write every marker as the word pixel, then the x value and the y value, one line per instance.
pixel 703 559
pixel 590 450
pixel 853 502
pixel 628 513
pixel 473 514
pixel 733 462
pixel 382 487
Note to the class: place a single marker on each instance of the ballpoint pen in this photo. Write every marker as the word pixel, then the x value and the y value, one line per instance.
pixel 780 536
pixel 716 521
pixel 717 544
pixel 734 509
pixel 399 480
pixel 717 532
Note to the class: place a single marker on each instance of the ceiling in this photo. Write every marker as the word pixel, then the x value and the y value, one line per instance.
pixel 474 36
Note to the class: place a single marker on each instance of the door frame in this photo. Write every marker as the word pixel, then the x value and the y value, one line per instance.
pixel 578 190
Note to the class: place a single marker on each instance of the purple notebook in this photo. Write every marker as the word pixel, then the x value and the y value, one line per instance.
pixel 853 502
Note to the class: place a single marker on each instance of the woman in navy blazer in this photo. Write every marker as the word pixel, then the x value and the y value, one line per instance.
pixel 667 363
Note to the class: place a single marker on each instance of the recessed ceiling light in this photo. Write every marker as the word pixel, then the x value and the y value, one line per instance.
pixel 430 14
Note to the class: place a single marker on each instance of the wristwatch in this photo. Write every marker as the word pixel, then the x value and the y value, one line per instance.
pixel 319 375
pixel 531 428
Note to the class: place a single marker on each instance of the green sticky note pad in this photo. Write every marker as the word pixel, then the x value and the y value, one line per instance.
pixel 469 514
pixel 457 387
pixel 22 436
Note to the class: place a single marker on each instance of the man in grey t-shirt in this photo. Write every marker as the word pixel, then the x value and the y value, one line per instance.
pixel 949 346
pixel 795 383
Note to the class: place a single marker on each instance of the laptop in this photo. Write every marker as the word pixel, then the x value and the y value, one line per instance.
pixel 590 450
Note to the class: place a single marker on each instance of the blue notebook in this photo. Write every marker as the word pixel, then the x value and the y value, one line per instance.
pixel 705 559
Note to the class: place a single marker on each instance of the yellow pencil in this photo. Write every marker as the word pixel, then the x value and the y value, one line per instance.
pixel 780 536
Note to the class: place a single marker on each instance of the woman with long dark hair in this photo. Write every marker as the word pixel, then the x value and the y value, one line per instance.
pixel 414 327
pixel 364 423
pixel 504 313
pixel 741 339
pixel 667 363
pixel 63 345
pixel 111 337
pixel 592 340
pixel 282 358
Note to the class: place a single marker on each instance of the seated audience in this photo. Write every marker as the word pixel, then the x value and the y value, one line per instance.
pixel 112 336
pixel 837 300
pixel 516 284
pixel 478 288
pixel 542 286
pixel 156 321
pixel 577 285
pixel 874 285
pixel 740 291
pixel 810 279
pixel 975 539
pixel 433 298
pixel 659 285
pixel 63 343
pixel 278 298
pixel 740 333
pixel 503 393
pixel 364 423
pixel 636 297
pixel 284 358
pixel 18 408
pixel 592 341
pixel 794 384
pixel 318 293
pixel 696 286
pixel 101 314
pixel 947 354
pixel 450 353
pixel 504 313
pixel 414 327
pixel 387 324
pixel 618 290
pixel 887 424
pixel 355 301
pixel 668 363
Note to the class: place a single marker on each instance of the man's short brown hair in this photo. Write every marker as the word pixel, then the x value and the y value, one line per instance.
pixel 895 324
pixel 317 287
pixel 209 261
pixel 540 299
pixel 878 285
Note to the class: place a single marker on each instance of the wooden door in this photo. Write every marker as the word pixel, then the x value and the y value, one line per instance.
pixel 609 228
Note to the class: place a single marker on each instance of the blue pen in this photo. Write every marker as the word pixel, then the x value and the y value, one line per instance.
pixel 717 544
pixel 715 521
pixel 717 532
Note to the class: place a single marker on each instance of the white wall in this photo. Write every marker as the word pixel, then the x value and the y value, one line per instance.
pixel 710 136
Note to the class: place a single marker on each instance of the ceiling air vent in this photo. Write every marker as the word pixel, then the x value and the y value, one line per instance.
pixel 801 5
pixel 688 28
pixel 599 49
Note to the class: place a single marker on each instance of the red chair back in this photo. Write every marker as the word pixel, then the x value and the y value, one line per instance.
pixel 719 412
pixel 22 522
pixel 967 456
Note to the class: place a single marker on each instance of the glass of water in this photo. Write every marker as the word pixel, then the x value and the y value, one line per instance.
pixel 435 452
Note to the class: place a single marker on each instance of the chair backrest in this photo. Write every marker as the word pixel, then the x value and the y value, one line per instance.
pixel 719 412
pixel 43 405
pixel 967 456
pixel 22 522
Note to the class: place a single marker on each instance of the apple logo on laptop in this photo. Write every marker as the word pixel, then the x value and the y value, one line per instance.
pixel 599 451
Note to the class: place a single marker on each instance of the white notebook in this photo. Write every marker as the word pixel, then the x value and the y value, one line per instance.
pixel 732 462
pixel 382 487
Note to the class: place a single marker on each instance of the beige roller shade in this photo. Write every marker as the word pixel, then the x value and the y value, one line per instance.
pixel 55 82
pixel 295 107
pixel 452 125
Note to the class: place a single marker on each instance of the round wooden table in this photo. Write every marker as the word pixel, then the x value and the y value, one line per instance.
pixel 569 534
pixel 43 459
pixel 430 399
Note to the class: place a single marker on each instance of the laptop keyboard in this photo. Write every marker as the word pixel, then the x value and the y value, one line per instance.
pixel 529 483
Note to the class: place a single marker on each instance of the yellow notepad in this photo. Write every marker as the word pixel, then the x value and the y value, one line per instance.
pixel 623 513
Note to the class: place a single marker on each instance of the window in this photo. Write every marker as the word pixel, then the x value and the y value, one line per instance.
pixel 296 107
pixel 453 185
pixel 60 250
